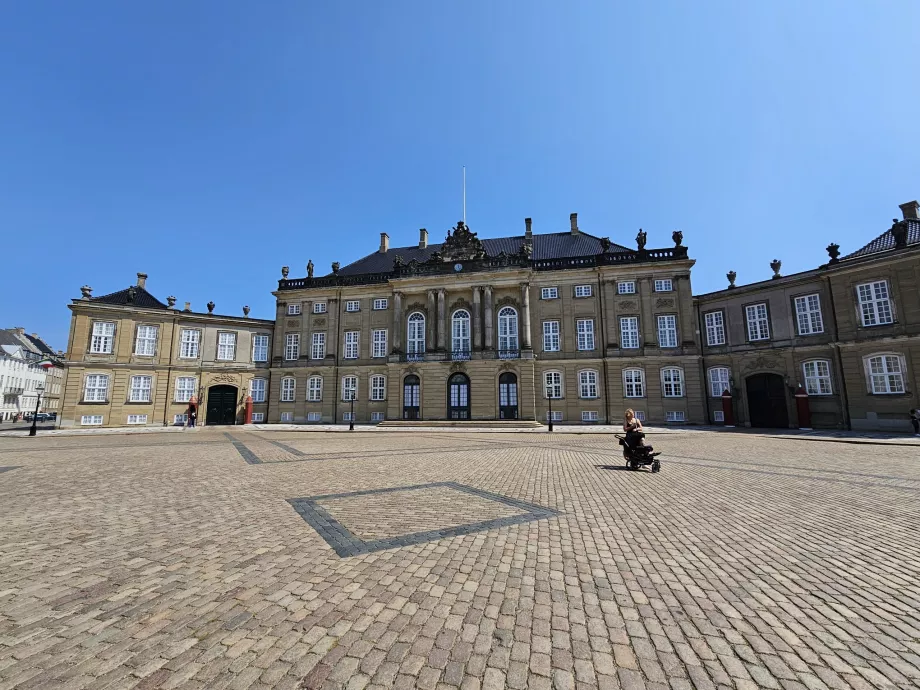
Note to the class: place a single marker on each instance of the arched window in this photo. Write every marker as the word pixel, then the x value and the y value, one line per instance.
pixel 719 381
pixel 507 331
pixel 587 384
pixel 885 373
pixel 672 382
pixel 416 340
pixel 633 383
pixel 458 406
pixel 460 334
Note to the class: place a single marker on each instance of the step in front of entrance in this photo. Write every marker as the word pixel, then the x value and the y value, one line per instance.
pixel 458 423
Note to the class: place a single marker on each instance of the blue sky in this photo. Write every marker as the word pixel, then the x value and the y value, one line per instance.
pixel 210 143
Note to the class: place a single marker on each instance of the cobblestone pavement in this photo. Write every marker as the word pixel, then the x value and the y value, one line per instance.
pixel 209 560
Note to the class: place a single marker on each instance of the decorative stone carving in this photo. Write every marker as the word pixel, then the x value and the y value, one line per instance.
pixel 663 303
pixel 435 258
pixel 170 301
pixel 508 366
pixel 833 251
pixel 761 362
pixel 132 294
pixel 294 323
pixel 899 233
pixel 776 264
pixel 461 304
pixel 417 306
pixel 86 291
pixel 641 239
pixel 316 322
pixel 457 367
pixel 678 237
pixel 605 245
pixel 335 267
pixel 462 245
pixel 526 249
pixel 246 310
pixel 211 306
pixel 506 301
pixel 629 304
pixel 398 262
pixel 224 378
pixel 731 275
pixel 285 270
pixel 410 370
pixel 309 268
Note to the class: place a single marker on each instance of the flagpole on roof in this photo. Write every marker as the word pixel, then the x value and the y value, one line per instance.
pixel 464 195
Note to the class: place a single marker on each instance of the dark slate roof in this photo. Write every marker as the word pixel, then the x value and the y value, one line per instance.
pixel 9 338
pixel 556 245
pixel 40 345
pixel 142 299
pixel 885 241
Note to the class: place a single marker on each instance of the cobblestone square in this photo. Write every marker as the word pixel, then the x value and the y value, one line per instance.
pixel 529 561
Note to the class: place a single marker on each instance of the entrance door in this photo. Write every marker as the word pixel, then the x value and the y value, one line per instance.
pixel 411 385
pixel 507 396
pixel 767 401
pixel 458 405
pixel 221 405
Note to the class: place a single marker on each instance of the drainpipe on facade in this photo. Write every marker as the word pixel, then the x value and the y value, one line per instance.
pixel 845 397
pixel 335 369
pixel 172 343
pixel 600 293
pixel 703 379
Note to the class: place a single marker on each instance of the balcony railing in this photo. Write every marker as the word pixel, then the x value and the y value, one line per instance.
pixel 509 354
pixel 460 355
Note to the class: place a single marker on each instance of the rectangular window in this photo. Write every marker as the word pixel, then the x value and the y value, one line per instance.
pixel 640 415
pixel 91 420
pixel 353 305
pixel 667 331
pixel 664 285
pixel 137 419
pixel 315 389
pixel 351 344
pixel 257 390
pixel 96 388
pixel 146 343
pixel 103 338
pixel 808 315
pixel 288 388
pixel 258 417
pixel 886 375
pixel 349 388
pixel 718 416
pixel 380 342
pixel 583 291
pixel 588 416
pixel 674 416
pixel 552 384
pixel 293 309
pixel 817 377
pixel 378 388
pixel 633 383
pixel 587 384
pixel 180 419
pixel 188 343
pixel 318 348
pixel 715 328
pixel 140 389
pixel 758 325
pixel 555 416
pixel 626 287
pixel 551 336
pixel 380 303
pixel 185 388
pixel 377 416
pixel 719 381
pixel 875 303
pixel 260 348
pixel 314 416
pixel 629 332
pixel 319 307
pixel 226 346
pixel 672 383
pixel 291 346
pixel 287 416
pixel 348 416
pixel 549 293
pixel 585 330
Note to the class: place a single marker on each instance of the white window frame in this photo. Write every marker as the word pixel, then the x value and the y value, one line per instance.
pixel 507 329
pixel 664 285
pixel 180 419
pixel 378 387
pixel 318 346
pixel 584 291
pixel 817 375
pixel 185 392
pixel 719 380
pixel 552 340
pixel 460 338
pixel 715 327
pixel 189 343
pixel 675 416
pixel 378 416
pixel 352 305
pixel 288 389
pixel 258 389
pixel 672 382
pixel 718 416
pixel 291 346
pixel 379 340
pixel 633 383
pixel 145 344
pixel 352 344
pixel 314 416
pixel 294 309
pixel 287 416
pixel 137 391
pixel 587 384
pixel 102 341
pixel 258 417
pixel 584 328
pixel 889 376
pixel 319 307
pixel 349 387
pixel 809 319
pixel 629 332
pixel 757 318
pixel 589 416
pixel 626 287
pixel 555 415
pixel 137 419
pixel 258 348
pixel 553 380
pixel 549 293
pixel 381 303
pixel 640 415
pixel 315 389
pixel 226 346
pixel 667 330
pixel 875 307
pixel 91 420
pixel 415 333
pixel 95 388
pixel 348 416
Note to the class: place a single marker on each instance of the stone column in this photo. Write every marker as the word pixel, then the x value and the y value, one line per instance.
pixel 397 321
pixel 488 318
pixel 442 319
pixel 477 318
pixel 431 327
pixel 525 316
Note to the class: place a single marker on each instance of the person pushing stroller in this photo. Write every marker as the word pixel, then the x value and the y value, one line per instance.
pixel 635 437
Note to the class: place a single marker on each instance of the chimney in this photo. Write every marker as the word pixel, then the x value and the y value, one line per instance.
pixel 911 210
pixel 142 280
pixel 528 229
pixel 188 306
pixel 573 220
pixel 384 243
pixel 422 238
pixel 35 335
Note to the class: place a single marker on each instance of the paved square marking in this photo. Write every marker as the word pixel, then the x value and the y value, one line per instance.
pixel 366 521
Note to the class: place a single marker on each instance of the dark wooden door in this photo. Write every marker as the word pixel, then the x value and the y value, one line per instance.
pixel 411 401
pixel 507 396
pixel 458 397
pixel 766 395
pixel 221 405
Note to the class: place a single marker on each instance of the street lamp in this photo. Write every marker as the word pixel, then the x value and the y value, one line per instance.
pixel 351 417
pixel 38 389
pixel 549 397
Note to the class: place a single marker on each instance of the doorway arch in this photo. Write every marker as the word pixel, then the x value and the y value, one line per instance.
pixel 458 396
pixel 411 397
pixel 766 398
pixel 221 408
pixel 508 396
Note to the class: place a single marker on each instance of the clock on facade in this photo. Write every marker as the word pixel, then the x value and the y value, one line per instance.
pixel 458 267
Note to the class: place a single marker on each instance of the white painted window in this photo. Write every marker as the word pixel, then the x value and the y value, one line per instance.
pixel 460 332
pixel 378 387
pixel 103 337
pixel 674 416
pixel 349 388
pixel 380 303
pixel 257 390
pixel 96 388
pixel 663 285
pixel 718 416
pixel 886 374
pixel 551 336
pixel 315 389
pixel 139 390
pixel 260 348
pixel 585 333
pixel 319 307
pixel 507 329
pixel 377 416
pixel 288 387
pixel 629 332
pixel 588 416
pixel 719 381
pixel 817 377
pixel 555 416
pixel 640 415
pixel 226 346
pixel 351 344
pixel 180 419
pixel 146 342
pixel 291 346
pixel 258 417
pixel 348 416
pixel 552 384
pixel 287 416
pixel 293 309
pixel 715 328
pixel 587 384
pixel 808 314
pixel 353 305
pixel 672 382
pixel 583 291
pixel 875 303
pixel 626 287
pixel 185 388
pixel 318 346
pixel 137 419
pixel 758 323
pixel 91 420
pixel 314 416
pixel 667 331
pixel 633 383
pixel 189 338
pixel 416 339
pixel 380 342
pixel 549 293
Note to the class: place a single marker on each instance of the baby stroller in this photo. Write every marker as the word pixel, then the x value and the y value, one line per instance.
pixel 636 455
